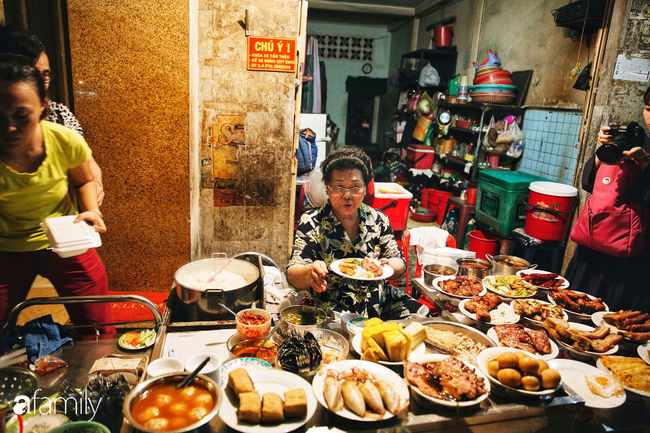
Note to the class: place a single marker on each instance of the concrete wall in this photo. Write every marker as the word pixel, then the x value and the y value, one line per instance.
pixel 339 70
pixel 130 64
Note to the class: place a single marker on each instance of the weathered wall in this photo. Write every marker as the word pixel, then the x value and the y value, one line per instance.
pixel 338 71
pixel 242 200
pixel 2 12
pixel 525 36
pixel 130 69
pixel 617 101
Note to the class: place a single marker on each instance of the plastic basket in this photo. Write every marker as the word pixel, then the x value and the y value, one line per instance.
pixel 16 381
pixel 577 11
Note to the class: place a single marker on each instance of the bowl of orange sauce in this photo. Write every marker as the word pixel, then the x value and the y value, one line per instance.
pixel 238 348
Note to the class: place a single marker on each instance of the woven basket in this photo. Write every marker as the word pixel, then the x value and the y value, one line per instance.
pixel 494 99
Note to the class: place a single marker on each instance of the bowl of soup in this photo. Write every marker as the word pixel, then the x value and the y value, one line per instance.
pixel 156 405
pixel 239 348
pixel 302 318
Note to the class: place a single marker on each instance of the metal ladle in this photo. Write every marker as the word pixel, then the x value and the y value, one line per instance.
pixel 233 313
pixel 268 337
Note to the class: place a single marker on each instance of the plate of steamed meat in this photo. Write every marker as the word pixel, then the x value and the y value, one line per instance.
pixel 529 340
pixel 361 390
pixel 583 340
pixel 536 312
pixel 632 325
pixel 459 287
pixel 488 309
pixel 361 269
pixel 581 305
pixel 446 380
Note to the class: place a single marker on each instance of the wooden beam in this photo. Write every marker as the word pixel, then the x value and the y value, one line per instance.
pixel 444 22
pixel 362 8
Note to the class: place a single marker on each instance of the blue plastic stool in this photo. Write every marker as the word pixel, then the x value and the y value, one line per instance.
pixel 529 253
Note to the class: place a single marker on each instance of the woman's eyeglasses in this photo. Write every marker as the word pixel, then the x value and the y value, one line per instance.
pixel 339 190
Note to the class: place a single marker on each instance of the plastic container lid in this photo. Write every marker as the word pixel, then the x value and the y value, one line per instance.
pixel 391 190
pixel 509 180
pixel 68 239
pixel 554 189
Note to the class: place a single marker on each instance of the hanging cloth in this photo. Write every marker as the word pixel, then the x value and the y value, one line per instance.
pixel 308 86
pixel 312 50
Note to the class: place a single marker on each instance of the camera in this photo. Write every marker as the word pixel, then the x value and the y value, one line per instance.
pixel 623 137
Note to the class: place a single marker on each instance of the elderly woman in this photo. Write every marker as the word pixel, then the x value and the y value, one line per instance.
pixel 38 159
pixel 345 227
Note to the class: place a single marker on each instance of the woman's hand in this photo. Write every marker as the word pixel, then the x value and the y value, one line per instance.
pixel 603 137
pixel 94 219
pixel 317 273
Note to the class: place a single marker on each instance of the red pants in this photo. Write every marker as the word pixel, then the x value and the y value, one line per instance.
pixel 82 275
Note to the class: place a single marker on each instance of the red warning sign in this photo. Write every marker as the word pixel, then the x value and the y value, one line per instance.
pixel 271 54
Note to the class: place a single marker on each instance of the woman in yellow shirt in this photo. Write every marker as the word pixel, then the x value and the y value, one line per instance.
pixel 37 160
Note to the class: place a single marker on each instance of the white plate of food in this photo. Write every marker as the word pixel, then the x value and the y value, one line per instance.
pixel 361 269
pixel 573 326
pixel 530 275
pixel 554 350
pixel 637 333
pixel 264 380
pixel 599 390
pixel 493 353
pixel 509 286
pixel 456 339
pixel 345 402
pixel 465 287
pixel 629 371
pixel 574 313
pixel 535 311
pixel 502 314
pixel 644 351
pixel 227 367
pixel 420 349
pixel 356 326
pixel 137 340
pixel 448 395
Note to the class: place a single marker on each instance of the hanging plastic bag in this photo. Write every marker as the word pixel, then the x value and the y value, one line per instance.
pixel 426 105
pixel 429 76
pixel 489 139
pixel 517 146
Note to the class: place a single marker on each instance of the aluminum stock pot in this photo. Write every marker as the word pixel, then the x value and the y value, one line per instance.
pixel 508 265
pixel 236 298
pixel 478 268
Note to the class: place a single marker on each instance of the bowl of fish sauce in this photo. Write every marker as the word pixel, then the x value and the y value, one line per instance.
pixel 253 323
pixel 302 318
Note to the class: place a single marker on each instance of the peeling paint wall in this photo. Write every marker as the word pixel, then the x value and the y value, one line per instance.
pixel 244 191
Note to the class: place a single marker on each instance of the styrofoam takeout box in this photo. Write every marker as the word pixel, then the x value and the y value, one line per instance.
pixel 68 239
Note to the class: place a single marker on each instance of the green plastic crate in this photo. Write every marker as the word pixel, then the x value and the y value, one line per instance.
pixel 500 199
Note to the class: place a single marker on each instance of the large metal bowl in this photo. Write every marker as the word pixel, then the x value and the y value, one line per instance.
pixel 431 272
pixel 301 309
pixel 503 269
pixel 474 334
pixel 465 268
pixel 140 390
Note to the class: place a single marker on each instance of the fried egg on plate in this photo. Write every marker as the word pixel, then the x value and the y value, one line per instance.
pixel 604 386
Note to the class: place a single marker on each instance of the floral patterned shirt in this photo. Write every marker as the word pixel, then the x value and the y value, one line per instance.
pixel 321 236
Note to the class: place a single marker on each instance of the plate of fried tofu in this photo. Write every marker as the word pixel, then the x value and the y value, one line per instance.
pixel 270 401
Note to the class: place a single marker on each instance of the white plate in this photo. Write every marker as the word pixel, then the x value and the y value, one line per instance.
pixel 565 283
pixel 388 271
pixel 565 316
pixel 491 353
pixel 356 326
pixel 573 374
pixel 36 423
pixel 575 314
pixel 598 320
pixel 436 285
pixel 356 345
pixel 602 367
pixel 144 333
pixel 276 381
pixel 588 354
pixel 433 357
pixel 503 314
pixel 490 279
pixel 555 351
pixel 233 364
pixel 642 350
pixel 378 371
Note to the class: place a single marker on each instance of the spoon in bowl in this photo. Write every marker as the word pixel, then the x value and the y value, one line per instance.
pixel 193 374
pixel 233 313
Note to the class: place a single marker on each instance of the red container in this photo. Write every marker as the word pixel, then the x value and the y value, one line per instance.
pixel 442 205
pixel 394 201
pixel 482 245
pixel 420 156
pixel 443 35
pixel 425 197
pixel 550 206
pixel 471 196
pixel 437 200
pixel 482 78
pixel 422 218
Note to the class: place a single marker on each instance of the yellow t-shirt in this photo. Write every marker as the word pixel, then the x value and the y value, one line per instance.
pixel 26 199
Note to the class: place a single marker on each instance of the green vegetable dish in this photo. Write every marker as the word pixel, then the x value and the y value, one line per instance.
pixel 139 339
pixel 304 318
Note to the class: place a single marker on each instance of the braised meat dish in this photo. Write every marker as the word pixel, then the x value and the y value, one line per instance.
pixel 536 310
pixel 519 337
pixel 577 302
pixel 461 286
pixel 481 306
pixel 449 379
pixel 636 324
pixel 546 281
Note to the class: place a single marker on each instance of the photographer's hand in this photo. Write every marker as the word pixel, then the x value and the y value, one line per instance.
pixel 603 138
pixel 638 154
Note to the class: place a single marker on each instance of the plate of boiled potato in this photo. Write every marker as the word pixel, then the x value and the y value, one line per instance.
pixel 519 371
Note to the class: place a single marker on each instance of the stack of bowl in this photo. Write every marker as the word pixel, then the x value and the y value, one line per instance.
pixel 492 84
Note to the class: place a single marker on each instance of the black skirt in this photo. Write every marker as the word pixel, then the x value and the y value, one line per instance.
pixel 622 283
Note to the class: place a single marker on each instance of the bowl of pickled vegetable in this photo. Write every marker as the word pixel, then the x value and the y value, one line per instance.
pixel 253 323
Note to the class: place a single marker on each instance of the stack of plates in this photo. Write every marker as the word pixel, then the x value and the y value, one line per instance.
pixel 494 85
